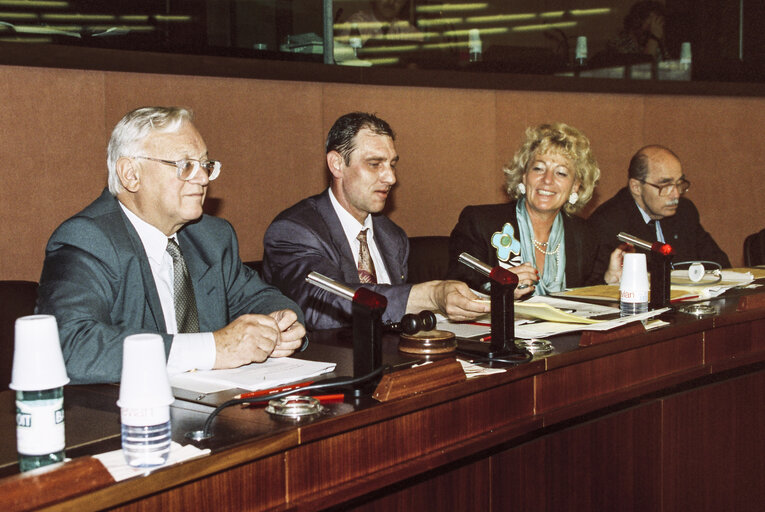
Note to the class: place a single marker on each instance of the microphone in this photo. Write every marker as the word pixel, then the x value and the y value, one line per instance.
pixel 412 324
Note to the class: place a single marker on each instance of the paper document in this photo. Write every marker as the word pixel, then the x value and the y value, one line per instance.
pixel 252 377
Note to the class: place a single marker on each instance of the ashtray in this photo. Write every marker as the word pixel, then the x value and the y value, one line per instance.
pixel 697 310
pixel 535 346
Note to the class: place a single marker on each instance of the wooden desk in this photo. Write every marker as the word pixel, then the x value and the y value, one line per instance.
pixel 670 419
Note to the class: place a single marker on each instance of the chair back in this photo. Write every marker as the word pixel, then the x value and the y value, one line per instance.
pixel 17 298
pixel 428 258
pixel 754 249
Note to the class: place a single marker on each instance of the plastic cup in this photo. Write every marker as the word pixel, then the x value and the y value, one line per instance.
pixel 38 363
pixel 144 382
pixel 685 53
pixel 634 283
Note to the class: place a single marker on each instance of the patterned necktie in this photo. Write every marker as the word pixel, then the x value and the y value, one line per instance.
pixel 366 266
pixel 186 316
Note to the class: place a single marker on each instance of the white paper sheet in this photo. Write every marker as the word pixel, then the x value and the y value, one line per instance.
pixel 252 377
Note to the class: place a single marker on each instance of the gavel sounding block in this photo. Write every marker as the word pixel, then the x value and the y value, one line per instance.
pixel 419 379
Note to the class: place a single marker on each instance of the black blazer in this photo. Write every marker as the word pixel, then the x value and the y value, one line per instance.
pixel 683 230
pixel 477 224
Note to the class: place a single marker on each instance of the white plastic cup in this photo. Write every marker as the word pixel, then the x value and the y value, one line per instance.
pixel 38 363
pixel 144 402
pixel 581 48
pixel 633 288
pixel 685 53
pixel 144 381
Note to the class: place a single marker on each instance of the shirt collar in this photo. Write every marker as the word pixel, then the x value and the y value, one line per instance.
pixel 154 241
pixel 351 226
pixel 646 218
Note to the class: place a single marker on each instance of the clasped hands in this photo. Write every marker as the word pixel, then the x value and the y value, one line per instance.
pixel 255 338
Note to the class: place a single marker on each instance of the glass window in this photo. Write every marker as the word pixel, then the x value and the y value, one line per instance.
pixel 676 39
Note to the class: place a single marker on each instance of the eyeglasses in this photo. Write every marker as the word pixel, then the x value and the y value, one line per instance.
pixel 188 168
pixel 682 187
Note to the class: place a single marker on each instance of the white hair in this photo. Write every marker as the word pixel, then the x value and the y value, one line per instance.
pixel 133 129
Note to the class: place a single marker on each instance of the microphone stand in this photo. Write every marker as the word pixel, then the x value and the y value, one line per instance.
pixel 659 266
pixel 367 309
pixel 503 284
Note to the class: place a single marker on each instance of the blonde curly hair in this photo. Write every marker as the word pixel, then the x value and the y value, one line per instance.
pixel 562 139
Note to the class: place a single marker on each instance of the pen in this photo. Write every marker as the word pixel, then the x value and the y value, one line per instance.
pixel 485 338
pixel 265 392
pixel 680 299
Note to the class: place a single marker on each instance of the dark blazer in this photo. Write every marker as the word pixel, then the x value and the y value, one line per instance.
pixel 97 281
pixel 477 224
pixel 683 230
pixel 309 237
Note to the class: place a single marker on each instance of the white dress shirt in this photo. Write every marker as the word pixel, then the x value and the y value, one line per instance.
pixel 189 351
pixel 647 219
pixel 352 228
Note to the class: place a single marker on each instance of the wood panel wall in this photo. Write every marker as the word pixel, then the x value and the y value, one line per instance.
pixel 55 124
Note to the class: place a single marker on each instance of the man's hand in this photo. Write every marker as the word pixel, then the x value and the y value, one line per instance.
pixel 292 332
pixel 457 301
pixel 249 338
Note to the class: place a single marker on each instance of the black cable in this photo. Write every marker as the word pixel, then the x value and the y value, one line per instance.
pixel 527 356
pixel 330 383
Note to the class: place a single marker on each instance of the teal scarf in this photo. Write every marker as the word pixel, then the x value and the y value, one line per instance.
pixel 554 273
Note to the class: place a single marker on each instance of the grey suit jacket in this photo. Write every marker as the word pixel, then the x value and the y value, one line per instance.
pixel 309 237
pixel 97 281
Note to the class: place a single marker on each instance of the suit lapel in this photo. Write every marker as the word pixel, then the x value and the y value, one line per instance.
pixel 133 242
pixel 210 297
pixel 337 238
pixel 390 251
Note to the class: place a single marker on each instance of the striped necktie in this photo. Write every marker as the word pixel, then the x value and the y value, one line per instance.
pixel 366 266
pixel 186 316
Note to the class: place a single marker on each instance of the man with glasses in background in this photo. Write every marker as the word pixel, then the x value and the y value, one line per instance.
pixel 143 258
pixel 652 207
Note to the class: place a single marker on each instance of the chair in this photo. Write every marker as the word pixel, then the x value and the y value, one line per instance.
pixel 754 249
pixel 17 298
pixel 428 258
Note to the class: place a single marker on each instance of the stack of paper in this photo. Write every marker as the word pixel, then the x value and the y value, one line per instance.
pixel 252 377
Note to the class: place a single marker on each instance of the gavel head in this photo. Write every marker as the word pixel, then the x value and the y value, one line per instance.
pixel 423 321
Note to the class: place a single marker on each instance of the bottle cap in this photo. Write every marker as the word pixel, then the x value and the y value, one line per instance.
pixel 37 360
pixel 634 283
pixel 144 382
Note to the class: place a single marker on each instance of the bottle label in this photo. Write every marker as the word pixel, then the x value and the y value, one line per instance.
pixel 40 426
pixel 145 416
pixel 634 295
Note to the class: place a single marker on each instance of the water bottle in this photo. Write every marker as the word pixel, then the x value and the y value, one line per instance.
pixel 146 436
pixel 38 377
pixel 475 46
pixel 580 55
pixel 633 287
pixel 40 427
pixel 144 402
pixel 354 40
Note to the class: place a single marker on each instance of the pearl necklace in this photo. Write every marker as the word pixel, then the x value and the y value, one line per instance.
pixel 542 247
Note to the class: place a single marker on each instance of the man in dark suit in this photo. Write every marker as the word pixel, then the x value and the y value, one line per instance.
pixel 341 234
pixel 652 207
pixel 142 258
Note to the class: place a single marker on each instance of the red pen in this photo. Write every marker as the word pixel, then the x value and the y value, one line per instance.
pixel 265 392
pixel 485 338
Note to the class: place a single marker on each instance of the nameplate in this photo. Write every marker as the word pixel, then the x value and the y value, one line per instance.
pixel 597 337
pixel 419 379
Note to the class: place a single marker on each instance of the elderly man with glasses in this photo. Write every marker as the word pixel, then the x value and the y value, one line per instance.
pixel 143 258
pixel 652 207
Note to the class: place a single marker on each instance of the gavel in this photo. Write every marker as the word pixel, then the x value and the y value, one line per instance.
pixel 411 324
